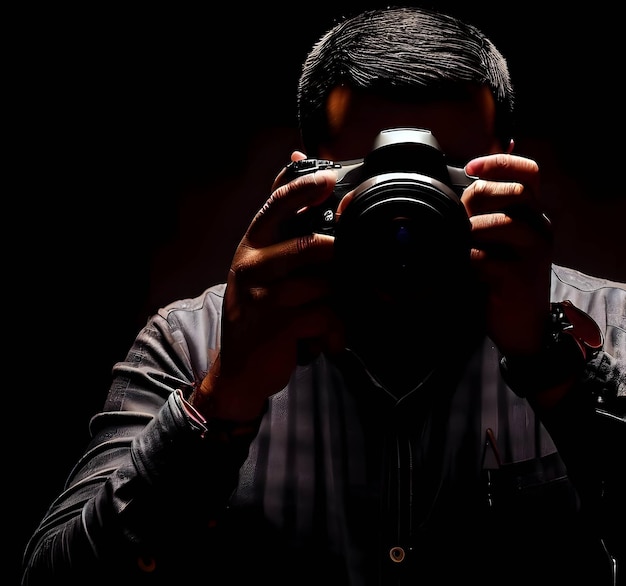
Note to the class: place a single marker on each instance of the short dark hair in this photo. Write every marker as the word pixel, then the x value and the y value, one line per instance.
pixel 404 54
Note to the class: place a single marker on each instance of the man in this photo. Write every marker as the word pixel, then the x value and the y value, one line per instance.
pixel 322 416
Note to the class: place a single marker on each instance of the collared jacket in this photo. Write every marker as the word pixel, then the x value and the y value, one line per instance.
pixel 342 483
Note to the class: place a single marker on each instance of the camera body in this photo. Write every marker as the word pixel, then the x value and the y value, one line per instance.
pixel 405 225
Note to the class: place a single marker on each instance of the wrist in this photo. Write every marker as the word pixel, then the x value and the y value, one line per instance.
pixel 571 340
pixel 226 398
pixel 224 430
pixel 221 419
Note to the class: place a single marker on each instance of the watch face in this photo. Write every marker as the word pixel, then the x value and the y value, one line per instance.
pixel 583 329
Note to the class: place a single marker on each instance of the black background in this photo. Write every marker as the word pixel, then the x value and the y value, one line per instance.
pixel 142 141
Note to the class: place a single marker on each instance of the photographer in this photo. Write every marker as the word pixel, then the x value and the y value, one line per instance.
pixel 413 396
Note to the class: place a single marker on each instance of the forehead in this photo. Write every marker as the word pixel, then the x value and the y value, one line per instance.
pixel 464 128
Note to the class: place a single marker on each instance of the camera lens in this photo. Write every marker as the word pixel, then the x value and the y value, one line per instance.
pixel 402 235
pixel 399 237
pixel 398 243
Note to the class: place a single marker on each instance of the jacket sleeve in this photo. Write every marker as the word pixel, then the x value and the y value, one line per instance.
pixel 150 478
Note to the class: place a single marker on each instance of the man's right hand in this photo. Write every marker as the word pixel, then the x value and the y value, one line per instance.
pixel 277 294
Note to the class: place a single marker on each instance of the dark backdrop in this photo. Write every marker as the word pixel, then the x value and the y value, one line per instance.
pixel 143 141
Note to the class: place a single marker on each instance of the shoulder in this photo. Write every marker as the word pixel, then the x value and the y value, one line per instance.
pixel 582 281
pixel 590 293
pixel 210 300
pixel 194 319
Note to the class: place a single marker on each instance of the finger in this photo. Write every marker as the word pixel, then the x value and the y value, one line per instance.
pixel 294 292
pixel 483 197
pixel 504 236
pixel 295 156
pixel 275 262
pixel 513 199
pixel 285 201
pixel 504 167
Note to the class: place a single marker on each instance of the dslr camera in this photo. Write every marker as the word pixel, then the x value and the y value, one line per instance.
pixel 405 226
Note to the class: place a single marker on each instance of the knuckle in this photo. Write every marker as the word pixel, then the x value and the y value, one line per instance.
pixel 305 242
pixel 478 187
pixel 514 188
pixel 503 160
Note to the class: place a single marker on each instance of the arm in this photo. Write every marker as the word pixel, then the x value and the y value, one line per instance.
pixel 586 415
pixel 581 403
pixel 148 455
pixel 184 407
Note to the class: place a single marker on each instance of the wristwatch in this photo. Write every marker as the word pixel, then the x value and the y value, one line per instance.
pixel 573 338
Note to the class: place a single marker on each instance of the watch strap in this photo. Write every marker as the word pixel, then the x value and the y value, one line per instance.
pixel 572 339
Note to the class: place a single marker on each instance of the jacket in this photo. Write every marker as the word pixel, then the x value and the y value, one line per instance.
pixel 342 483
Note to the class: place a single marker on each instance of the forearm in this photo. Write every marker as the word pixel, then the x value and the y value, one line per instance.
pixel 169 483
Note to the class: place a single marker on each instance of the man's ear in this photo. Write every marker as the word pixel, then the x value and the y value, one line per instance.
pixel 337 105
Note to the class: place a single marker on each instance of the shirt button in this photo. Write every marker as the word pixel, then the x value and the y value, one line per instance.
pixel 397 554
pixel 146 564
